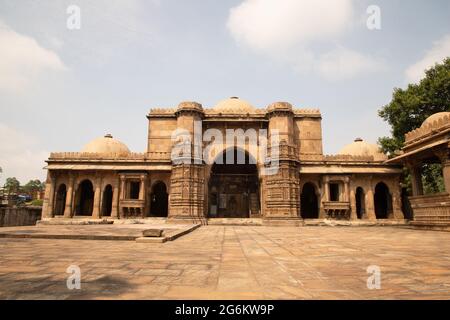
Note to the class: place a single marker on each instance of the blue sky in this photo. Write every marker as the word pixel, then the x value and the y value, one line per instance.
pixel 61 88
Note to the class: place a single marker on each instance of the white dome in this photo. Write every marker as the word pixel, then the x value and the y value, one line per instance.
pixel 362 148
pixel 106 144
pixel 234 105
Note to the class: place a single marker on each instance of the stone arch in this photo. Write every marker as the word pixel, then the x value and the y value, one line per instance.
pixel 309 201
pixel 84 204
pixel 234 188
pixel 107 199
pixel 360 198
pixel 159 200
pixel 382 201
pixel 60 201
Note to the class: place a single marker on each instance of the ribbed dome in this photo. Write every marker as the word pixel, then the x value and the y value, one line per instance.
pixel 362 148
pixel 435 117
pixel 234 105
pixel 106 144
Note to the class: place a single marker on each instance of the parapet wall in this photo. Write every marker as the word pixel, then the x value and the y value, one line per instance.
pixel 19 216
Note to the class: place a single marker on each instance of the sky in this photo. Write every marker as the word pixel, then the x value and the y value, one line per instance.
pixel 62 86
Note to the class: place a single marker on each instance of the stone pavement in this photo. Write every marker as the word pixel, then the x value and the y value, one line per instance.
pixel 125 232
pixel 234 262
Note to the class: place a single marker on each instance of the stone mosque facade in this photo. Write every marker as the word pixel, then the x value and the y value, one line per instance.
pixel 107 181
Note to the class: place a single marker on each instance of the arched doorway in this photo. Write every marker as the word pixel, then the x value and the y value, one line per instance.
pixel 107 201
pixel 159 199
pixel 383 201
pixel 360 203
pixel 309 207
pixel 234 186
pixel 60 203
pixel 85 199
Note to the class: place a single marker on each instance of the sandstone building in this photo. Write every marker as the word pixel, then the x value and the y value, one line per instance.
pixel 105 179
pixel 428 144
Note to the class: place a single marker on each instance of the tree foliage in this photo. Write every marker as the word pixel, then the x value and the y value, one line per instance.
pixel 33 186
pixel 409 108
pixel 12 185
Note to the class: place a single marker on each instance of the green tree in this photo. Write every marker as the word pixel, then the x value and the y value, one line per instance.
pixel 33 186
pixel 12 185
pixel 410 107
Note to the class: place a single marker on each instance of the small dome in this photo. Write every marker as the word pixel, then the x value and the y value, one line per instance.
pixel 234 105
pixel 435 117
pixel 362 148
pixel 106 144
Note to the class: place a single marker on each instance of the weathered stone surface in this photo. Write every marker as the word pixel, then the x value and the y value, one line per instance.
pixel 19 216
pixel 152 233
pixel 230 262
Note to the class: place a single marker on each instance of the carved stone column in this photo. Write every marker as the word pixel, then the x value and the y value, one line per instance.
pixel 47 207
pixel 187 181
pixel 445 162
pixel 446 174
pixel 97 197
pixel 346 189
pixel 370 202
pixel 187 192
pixel 397 204
pixel 142 187
pixel 69 198
pixel 416 177
pixel 122 187
pixel 353 213
pixel 325 196
pixel 115 202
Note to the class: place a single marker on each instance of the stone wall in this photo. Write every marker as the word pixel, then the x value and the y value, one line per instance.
pixel 19 216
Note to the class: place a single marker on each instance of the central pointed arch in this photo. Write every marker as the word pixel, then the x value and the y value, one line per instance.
pixel 234 186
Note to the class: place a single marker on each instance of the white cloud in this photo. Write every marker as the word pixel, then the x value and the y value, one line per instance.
pixel 288 29
pixel 20 156
pixel 271 24
pixel 23 59
pixel 439 51
pixel 342 63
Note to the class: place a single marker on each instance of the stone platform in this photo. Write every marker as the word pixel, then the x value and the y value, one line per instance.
pixel 234 262
pixel 123 232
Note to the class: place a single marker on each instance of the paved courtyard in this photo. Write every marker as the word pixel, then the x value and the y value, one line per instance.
pixel 234 262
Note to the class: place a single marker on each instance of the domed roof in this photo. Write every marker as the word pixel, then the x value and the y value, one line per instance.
pixel 106 144
pixel 435 117
pixel 362 148
pixel 234 105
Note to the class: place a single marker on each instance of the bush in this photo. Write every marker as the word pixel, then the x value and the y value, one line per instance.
pixel 37 202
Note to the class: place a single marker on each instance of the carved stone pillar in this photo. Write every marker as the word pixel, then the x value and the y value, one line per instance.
pixel 282 198
pixel 47 207
pixel 370 202
pixel 69 198
pixel 353 213
pixel 445 162
pixel 446 174
pixel 324 197
pixel 346 189
pixel 122 187
pixel 142 187
pixel 97 197
pixel 115 202
pixel 397 204
pixel 416 177
pixel 186 201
